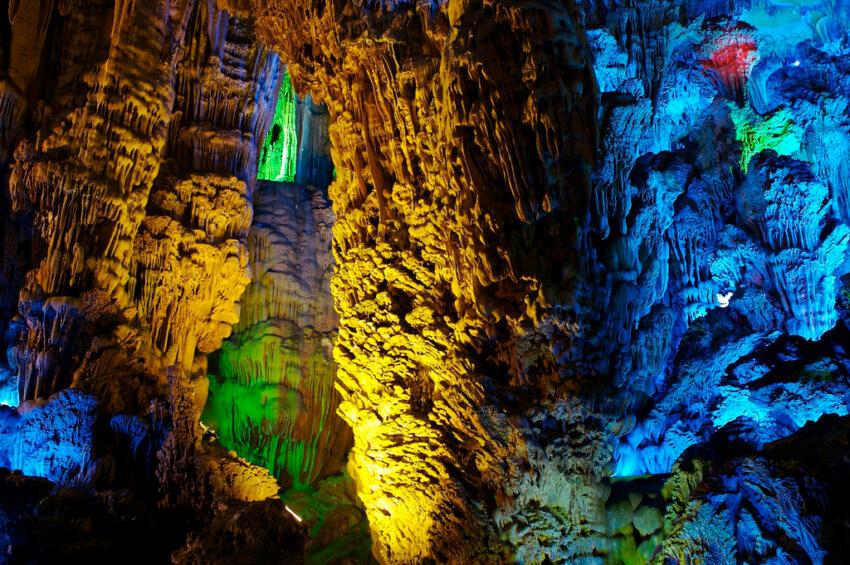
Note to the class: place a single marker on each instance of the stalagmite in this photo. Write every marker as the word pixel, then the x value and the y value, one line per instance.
pixel 272 398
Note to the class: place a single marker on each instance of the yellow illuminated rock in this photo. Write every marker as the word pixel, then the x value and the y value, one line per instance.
pixel 455 166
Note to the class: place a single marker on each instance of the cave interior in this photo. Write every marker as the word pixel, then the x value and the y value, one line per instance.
pixel 425 281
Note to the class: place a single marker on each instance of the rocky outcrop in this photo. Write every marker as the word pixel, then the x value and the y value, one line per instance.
pixel 716 248
pixel 297 147
pixel 89 180
pixel 733 500
pixel 280 150
pixel 314 165
pixel 135 164
pixel 682 229
pixel 144 188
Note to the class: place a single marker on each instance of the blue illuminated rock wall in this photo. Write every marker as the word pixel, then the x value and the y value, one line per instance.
pixel 721 190
pixel 54 440
pixel 716 261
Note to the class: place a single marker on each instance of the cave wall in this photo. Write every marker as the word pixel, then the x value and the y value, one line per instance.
pixel 272 396
pixel 131 133
pixel 116 236
pixel 643 242
pixel 297 147
pixel 183 134
pixel 589 272
pixel 719 244
pixel 717 221
pixel 453 167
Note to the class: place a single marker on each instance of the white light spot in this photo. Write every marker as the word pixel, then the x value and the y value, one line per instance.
pixel 723 299
pixel 294 515
pixel 796 63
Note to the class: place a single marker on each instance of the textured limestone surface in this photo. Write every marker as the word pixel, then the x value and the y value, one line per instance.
pixel 535 295
pixel 128 158
pixel 454 167
pixel 717 255
pixel 578 284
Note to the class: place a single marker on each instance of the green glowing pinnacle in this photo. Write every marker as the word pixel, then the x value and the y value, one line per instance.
pixel 278 157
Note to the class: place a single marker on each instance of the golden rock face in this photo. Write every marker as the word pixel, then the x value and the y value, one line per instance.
pixel 89 183
pixel 141 194
pixel 460 136
pixel 136 166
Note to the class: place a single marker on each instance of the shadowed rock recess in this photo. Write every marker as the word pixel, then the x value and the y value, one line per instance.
pixel 425 281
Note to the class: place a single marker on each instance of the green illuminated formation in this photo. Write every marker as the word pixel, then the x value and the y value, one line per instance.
pixel 271 396
pixel 278 157
pixel 258 410
pixel 777 131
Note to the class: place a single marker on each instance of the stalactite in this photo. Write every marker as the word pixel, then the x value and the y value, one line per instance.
pixel 280 150
pixel 138 174
pixel 89 205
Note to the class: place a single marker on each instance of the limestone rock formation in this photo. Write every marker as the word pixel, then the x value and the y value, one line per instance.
pixel 454 167
pixel 573 272
pixel 696 205
pixel 781 503
pixel 717 284
pixel 135 129
pixel 272 396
